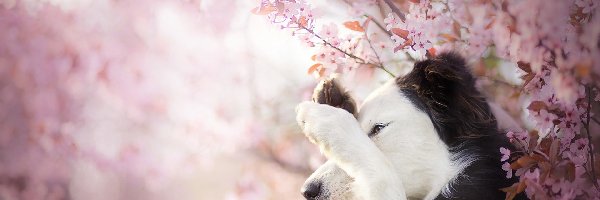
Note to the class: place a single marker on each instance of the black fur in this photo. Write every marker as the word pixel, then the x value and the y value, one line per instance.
pixel 444 88
pixel 333 94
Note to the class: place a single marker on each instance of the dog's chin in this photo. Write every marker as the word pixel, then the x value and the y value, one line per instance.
pixel 336 196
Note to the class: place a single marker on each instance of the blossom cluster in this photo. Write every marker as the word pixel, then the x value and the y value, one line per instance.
pixel 334 52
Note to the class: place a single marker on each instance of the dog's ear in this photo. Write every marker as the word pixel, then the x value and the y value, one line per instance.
pixel 447 90
pixel 443 76
pixel 330 92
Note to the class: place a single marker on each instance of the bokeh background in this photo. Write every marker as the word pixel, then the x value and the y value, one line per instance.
pixel 132 99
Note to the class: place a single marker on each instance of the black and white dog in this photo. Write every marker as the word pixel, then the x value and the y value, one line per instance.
pixel 427 135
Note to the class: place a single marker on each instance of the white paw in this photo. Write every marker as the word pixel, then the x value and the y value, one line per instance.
pixel 324 125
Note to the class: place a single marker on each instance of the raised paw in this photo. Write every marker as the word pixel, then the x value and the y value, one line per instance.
pixel 324 125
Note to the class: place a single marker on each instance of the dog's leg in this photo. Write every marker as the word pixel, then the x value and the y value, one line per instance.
pixel 340 138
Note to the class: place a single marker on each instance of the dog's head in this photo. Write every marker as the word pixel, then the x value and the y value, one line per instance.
pixel 412 120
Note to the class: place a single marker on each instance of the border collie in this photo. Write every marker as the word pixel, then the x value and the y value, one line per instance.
pixel 427 135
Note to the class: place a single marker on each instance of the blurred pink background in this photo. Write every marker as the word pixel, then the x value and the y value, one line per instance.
pixel 132 99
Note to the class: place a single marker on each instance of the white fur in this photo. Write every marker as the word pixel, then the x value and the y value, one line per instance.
pixel 406 160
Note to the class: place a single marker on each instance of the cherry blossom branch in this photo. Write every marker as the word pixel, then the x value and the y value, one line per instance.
pixel 379 25
pixel 395 10
pixel 373 49
pixel 589 135
pixel 410 58
pixel 356 58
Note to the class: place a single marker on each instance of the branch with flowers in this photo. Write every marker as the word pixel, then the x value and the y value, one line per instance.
pixel 551 46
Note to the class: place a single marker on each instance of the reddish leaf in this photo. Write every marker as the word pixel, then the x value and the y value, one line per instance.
pixel 533 140
pixel 415 1
pixel 570 171
pixel 521 187
pixel 554 148
pixel 456 28
pixel 522 162
pixel 314 67
pixel 265 10
pixel 313 57
pixel 448 37
pixel 406 43
pixel 513 190
pixel 527 78
pixel 321 72
pixel 545 145
pixel 583 70
pixel 536 106
pixel 354 25
pixel 302 21
pixel 526 67
pixel 400 32
pixel 545 169
pixel 431 51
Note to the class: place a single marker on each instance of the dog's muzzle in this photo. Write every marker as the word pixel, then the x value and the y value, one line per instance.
pixel 311 190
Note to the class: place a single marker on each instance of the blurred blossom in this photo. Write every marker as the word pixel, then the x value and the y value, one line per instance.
pixel 135 97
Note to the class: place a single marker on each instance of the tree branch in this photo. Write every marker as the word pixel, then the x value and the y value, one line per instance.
pixel 356 58
pixel 408 56
pixel 395 10
pixel 588 90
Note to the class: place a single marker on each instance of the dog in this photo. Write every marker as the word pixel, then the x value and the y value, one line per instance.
pixel 427 135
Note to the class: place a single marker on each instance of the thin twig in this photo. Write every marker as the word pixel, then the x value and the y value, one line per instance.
pixel 375 52
pixel 589 135
pixel 358 59
pixel 408 56
pixel 395 10
pixel 379 25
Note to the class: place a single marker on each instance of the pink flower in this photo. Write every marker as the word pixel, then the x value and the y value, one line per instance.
pixel 532 175
pixel 545 121
pixel 306 40
pixel 390 21
pixel 505 154
pixel 580 146
pixel 506 167
pixel 329 31
pixel 566 87
pixel 587 5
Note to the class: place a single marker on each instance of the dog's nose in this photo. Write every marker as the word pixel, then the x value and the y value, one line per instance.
pixel 311 190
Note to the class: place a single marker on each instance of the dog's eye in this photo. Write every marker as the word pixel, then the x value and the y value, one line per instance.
pixel 375 130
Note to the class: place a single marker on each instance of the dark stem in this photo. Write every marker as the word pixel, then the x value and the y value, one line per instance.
pixel 589 135
pixel 395 9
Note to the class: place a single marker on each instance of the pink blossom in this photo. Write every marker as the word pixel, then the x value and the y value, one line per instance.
pixel 587 5
pixel 505 154
pixel 567 89
pixel 329 31
pixel 580 146
pixel 390 21
pixel 506 167
pixel 545 121
pixel 532 175
pixel 306 39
